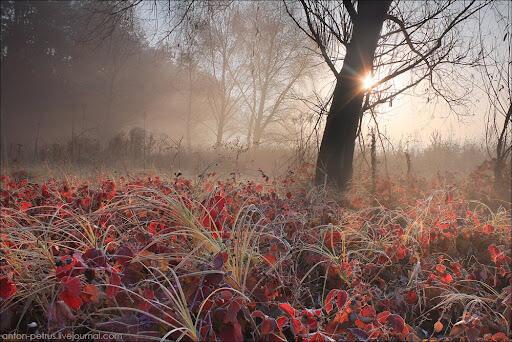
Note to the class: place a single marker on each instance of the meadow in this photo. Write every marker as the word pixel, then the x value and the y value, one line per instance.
pixel 228 171
pixel 208 258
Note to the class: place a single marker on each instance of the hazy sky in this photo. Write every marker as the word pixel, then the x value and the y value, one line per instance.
pixel 412 119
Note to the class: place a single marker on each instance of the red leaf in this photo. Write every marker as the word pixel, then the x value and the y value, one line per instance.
pixel 442 226
pixel 497 256
pixel 85 202
pixel 332 238
pixel 297 326
pixel 499 337
pixel 457 268
pixel 447 278
pixel 95 257
pixel 359 334
pixel 258 314
pixel 124 255
pixel 153 227
pixel 396 322
pixel 494 252
pixel 286 307
pixel 270 258
pixel 362 325
pixel 368 311
pixel 115 281
pixel 382 317
pixel 25 205
pixel 328 300
pixel 401 252
pixel 7 288
pixel 311 313
pixel 315 337
pixel 213 208
pixel 267 326
pixel 220 259
pixel 44 191
pixel 71 291
pixel 149 295
pixel 342 316
pixel 341 299
pixel 232 312
pixel 231 333
pixel 488 229
pixel 411 297
pixel 346 268
pixel 90 293
pixel 281 321
pixel 67 265
pixel 440 268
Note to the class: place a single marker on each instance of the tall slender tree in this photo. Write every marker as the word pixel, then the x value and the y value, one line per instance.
pixel 222 60
pixel 274 63
pixel 496 83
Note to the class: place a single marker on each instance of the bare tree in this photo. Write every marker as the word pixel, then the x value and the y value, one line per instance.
pixel 274 63
pixel 222 60
pixel 496 72
pixel 417 38
pixel 188 60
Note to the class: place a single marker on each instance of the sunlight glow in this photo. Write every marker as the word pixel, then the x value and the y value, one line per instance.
pixel 368 82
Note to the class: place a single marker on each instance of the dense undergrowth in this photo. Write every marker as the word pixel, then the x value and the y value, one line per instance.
pixel 231 260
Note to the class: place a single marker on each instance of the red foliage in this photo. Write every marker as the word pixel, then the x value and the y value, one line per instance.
pixel 71 291
pixel 286 307
pixel 411 297
pixel 113 247
pixel 114 282
pixel 7 288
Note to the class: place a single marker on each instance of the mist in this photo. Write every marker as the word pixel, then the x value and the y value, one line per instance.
pixel 83 84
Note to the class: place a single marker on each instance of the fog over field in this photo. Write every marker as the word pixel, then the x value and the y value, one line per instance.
pixel 70 76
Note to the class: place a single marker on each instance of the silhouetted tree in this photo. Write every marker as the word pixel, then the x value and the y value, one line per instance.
pixel 496 72
pixel 414 41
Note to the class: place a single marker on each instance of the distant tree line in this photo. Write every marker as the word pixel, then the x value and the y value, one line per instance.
pixel 69 76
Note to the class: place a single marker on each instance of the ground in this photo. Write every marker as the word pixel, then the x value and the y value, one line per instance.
pixel 211 259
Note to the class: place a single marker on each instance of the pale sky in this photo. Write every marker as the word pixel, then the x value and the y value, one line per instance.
pixel 411 119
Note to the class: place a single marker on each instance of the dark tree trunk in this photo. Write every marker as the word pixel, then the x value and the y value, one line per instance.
pixel 373 153
pixel 500 187
pixel 189 111
pixel 334 164
pixel 12 64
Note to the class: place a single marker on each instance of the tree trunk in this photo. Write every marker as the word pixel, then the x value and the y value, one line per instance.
pixel 189 111
pixel 220 133
pixel 334 163
pixel 14 62
pixel 501 156
pixel 249 132
pixel 257 133
pixel 373 154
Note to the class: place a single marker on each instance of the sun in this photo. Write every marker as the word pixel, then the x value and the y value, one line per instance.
pixel 368 82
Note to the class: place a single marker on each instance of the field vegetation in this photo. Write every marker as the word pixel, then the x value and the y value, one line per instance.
pixel 403 257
